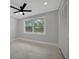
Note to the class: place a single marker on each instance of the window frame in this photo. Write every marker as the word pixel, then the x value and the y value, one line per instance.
pixel 33 25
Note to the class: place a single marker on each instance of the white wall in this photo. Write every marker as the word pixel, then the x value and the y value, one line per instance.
pixel 51 35
pixel 64 30
pixel 13 23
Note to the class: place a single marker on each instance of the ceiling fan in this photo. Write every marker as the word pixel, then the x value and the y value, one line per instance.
pixel 21 9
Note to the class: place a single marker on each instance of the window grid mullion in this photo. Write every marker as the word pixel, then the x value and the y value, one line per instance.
pixel 33 26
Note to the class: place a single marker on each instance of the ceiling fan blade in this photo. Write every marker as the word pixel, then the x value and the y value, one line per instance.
pixel 27 10
pixel 24 5
pixel 14 7
pixel 16 11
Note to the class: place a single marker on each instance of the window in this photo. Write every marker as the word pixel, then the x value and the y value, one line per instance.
pixel 34 26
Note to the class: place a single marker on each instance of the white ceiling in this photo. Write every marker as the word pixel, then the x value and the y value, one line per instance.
pixel 37 7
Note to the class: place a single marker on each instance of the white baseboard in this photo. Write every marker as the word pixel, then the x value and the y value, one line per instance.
pixel 62 53
pixel 35 41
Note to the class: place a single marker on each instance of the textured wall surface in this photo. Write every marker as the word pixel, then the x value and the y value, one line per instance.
pixel 13 23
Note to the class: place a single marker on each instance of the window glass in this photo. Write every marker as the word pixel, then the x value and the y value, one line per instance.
pixel 29 26
pixel 34 25
pixel 39 25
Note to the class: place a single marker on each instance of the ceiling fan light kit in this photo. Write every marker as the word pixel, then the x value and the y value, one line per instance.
pixel 21 10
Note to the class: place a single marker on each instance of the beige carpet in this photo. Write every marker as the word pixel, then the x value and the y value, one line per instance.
pixel 27 50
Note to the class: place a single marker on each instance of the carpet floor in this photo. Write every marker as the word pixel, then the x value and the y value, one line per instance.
pixel 20 49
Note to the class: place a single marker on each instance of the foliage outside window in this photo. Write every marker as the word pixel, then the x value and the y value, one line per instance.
pixel 35 25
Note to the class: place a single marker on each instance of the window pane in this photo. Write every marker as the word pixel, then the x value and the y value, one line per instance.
pixel 29 26
pixel 39 25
